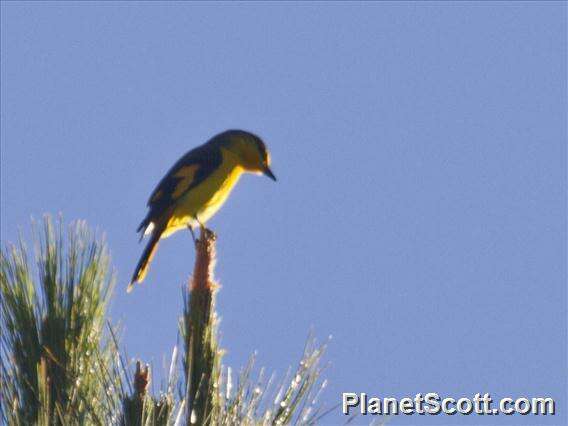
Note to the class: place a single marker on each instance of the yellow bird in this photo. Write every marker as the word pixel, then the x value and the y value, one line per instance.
pixel 197 186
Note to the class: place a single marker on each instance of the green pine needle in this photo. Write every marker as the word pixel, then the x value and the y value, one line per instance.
pixel 52 327
pixel 60 365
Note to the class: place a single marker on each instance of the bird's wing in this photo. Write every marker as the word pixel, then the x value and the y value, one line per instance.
pixel 189 171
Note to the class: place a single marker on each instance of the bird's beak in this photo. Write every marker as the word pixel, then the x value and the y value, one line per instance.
pixel 269 173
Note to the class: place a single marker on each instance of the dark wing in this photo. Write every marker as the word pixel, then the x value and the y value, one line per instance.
pixel 188 172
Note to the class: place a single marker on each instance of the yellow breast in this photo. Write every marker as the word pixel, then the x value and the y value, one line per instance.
pixel 205 199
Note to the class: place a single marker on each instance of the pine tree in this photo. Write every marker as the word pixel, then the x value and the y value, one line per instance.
pixel 61 362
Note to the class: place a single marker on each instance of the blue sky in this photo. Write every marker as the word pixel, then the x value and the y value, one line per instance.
pixel 419 216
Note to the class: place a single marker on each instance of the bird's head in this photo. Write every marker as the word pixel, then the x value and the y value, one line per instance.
pixel 250 151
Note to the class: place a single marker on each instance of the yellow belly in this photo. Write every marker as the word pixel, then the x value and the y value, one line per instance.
pixel 203 201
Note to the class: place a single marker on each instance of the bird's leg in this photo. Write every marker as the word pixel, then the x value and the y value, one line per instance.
pixel 208 233
pixel 199 222
pixel 201 226
pixel 192 234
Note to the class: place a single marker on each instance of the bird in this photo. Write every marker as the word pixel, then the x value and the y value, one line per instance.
pixel 196 187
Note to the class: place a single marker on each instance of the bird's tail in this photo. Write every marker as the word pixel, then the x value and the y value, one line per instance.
pixel 145 259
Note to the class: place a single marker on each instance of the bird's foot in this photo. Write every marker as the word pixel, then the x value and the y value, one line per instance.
pixel 208 234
